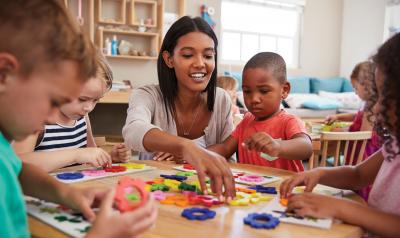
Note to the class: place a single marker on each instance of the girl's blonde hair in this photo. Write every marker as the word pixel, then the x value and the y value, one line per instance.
pixel 104 71
pixel 227 82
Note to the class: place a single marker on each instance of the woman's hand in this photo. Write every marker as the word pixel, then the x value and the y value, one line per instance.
pixel 331 119
pixel 208 163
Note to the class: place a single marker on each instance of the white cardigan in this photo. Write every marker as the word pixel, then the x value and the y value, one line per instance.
pixel 147 111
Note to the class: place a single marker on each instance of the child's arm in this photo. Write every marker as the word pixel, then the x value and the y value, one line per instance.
pixel 226 148
pixel 344 177
pixel 297 148
pixel 90 138
pixel 36 183
pixel 319 206
pixel 52 160
pixel 366 124
pixel 340 117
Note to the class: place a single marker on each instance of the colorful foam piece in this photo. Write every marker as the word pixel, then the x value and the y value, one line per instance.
pixel 115 169
pixel 133 165
pixel 241 199
pixel 261 221
pixel 188 166
pixel 94 172
pixel 197 213
pixel 264 189
pixel 185 173
pixel 160 195
pixel 70 176
pixel 245 190
pixel 172 184
pixel 252 178
pixel 175 177
pixel 161 187
pixel 178 199
pixel 187 187
pixel 284 202
pixel 204 200
pixel 128 202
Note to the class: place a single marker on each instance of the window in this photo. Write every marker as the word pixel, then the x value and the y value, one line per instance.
pixel 252 26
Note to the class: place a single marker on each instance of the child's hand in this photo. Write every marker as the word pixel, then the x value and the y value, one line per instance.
pixel 330 119
pixel 120 153
pixel 96 157
pixel 128 224
pixel 314 205
pixel 83 199
pixel 160 156
pixel 310 179
pixel 263 142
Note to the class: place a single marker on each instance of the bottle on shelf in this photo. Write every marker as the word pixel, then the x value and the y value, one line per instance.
pixel 114 46
pixel 142 27
pixel 107 46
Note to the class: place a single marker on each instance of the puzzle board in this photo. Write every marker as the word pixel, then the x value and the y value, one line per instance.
pixel 62 219
pixel 235 172
pixel 129 170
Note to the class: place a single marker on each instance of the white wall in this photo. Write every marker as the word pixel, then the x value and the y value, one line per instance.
pixel 362 31
pixel 320 43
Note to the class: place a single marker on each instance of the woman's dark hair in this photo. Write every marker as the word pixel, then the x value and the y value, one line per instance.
pixel 166 76
pixel 387 60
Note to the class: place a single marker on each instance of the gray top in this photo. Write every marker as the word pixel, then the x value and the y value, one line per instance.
pixel 147 111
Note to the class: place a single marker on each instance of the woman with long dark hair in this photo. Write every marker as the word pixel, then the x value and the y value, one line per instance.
pixel 183 115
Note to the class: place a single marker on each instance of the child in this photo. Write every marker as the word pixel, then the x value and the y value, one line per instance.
pixel 267 131
pixel 363 81
pixel 229 84
pixel 44 60
pixel 70 139
pixel 382 216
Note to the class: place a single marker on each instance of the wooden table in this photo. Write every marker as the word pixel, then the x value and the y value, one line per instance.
pixel 228 222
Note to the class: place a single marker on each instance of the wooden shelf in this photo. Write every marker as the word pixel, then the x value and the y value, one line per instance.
pixel 116 97
pixel 131 57
pixel 122 11
pixel 135 33
pixel 151 5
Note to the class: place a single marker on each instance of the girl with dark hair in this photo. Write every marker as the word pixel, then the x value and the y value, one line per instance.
pixel 382 216
pixel 183 115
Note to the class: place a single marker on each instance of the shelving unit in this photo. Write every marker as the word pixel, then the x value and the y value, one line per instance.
pixel 119 19
pixel 143 9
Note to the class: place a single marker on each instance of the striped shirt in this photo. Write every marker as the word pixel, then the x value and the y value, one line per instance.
pixel 57 137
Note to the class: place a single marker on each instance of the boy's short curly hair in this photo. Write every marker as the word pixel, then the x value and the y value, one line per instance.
pixel 39 32
pixel 387 60
pixel 269 61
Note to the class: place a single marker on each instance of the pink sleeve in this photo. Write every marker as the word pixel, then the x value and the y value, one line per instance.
pixel 294 126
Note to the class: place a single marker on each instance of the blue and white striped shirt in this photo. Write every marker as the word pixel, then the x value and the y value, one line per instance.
pixel 57 137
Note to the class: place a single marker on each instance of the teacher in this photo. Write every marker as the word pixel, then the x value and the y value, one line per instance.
pixel 186 112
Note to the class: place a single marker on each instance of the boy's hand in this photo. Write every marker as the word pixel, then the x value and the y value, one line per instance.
pixel 96 157
pixel 83 199
pixel 310 179
pixel 128 224
pixel 314 205
pixel 263 142
pixel 330 119
pixel 120 153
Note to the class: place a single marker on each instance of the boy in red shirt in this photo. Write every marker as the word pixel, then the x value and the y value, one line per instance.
pixel 268 135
